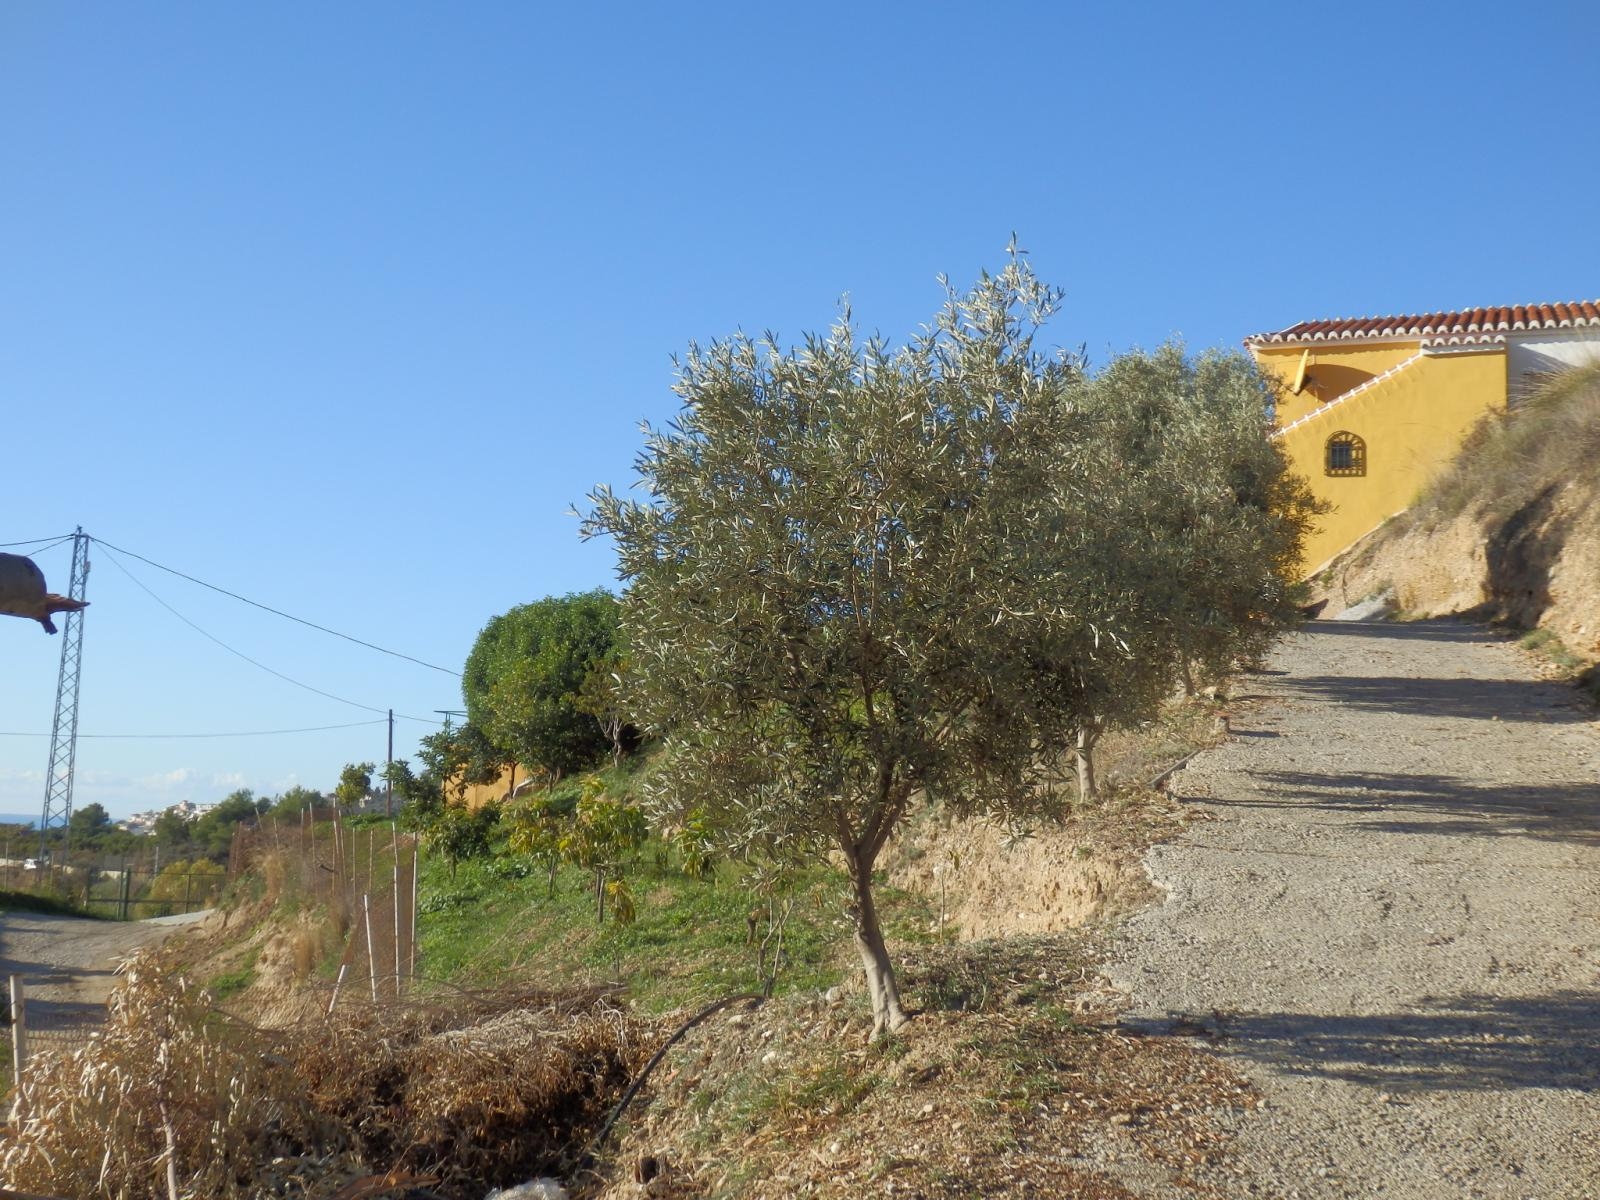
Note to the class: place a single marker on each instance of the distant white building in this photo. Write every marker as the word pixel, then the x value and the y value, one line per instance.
pixel 145 822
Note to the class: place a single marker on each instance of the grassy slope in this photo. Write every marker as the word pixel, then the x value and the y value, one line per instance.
pixel 690 942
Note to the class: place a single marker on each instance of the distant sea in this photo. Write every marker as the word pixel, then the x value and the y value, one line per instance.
pixel 18 819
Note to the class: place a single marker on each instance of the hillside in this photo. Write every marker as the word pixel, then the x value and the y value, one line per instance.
pixel 1509 533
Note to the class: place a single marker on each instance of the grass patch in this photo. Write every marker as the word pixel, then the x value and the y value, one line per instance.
pixel 1547 644
pixel 692 940
pixel 231 983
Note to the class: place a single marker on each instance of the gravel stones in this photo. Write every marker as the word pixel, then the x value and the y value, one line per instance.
pixel 1391 922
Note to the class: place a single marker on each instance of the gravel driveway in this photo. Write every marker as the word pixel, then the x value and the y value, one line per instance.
pixel 68 966
pixel 1388 917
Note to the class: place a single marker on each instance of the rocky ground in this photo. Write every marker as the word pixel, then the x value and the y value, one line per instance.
pixel 1388 917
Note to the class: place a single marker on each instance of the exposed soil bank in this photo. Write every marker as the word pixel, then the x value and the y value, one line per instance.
pixel 1389 918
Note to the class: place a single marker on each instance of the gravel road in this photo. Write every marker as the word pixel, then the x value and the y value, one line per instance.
pixel 1388 917
pixel 68 965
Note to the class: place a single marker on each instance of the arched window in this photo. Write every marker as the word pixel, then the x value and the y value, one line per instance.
pixel 1346 455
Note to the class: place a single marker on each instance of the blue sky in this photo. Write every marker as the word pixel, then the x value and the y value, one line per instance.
pixel 341 307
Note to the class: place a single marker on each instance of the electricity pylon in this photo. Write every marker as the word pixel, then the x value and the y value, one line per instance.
pixel 64 732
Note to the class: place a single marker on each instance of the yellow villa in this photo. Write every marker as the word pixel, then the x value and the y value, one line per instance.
pixel 1372 407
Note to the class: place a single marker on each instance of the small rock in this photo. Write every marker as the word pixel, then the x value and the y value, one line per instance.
pixel 543 1188
pixel 927 1110
pixel 1121 1118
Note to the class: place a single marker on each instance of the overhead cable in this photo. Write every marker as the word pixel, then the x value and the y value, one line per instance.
pixel 54 542
pixel 240 653
pixel 278 612
pixel 241 734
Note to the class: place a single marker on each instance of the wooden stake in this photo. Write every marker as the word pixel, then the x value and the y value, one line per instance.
pixel 19 1030
pixel 394 895
pixel 415 863
pixel 337 984
pixel 372 963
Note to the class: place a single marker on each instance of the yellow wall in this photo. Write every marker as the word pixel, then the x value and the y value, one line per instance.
pixel 1331 371
pixel 1412 422
pixel 479 794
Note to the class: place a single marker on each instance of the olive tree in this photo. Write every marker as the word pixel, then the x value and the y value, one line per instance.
pixel 1197 537
pixel 852 582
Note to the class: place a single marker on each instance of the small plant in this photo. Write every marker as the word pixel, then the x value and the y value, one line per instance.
pixel 538 824
pixel 1548 643
pixel 459 835
pixel 604 837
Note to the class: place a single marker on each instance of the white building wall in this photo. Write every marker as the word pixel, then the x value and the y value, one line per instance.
pixel 1542 351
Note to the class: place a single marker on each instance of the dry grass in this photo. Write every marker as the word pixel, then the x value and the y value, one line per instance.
pixel 167 1099
pixel 174 1099
pixel 1551 434
pixel 1016 1080
pixel 489 1090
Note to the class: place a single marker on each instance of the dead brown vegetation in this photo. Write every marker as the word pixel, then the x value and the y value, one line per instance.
pixel 1017 1080
pixel 176 1099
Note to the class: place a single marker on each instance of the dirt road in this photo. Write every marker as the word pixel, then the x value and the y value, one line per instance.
pixel 1388 917
pixel 68 965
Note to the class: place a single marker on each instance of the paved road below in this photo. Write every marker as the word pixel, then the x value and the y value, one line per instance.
pixel 1388 916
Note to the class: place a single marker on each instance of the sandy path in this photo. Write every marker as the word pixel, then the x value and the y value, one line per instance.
pixel 68 965
pixel 1390 913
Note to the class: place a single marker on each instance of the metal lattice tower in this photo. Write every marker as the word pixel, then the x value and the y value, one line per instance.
pixel 64 732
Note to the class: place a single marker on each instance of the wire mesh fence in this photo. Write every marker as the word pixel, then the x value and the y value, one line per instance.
pixel 362 871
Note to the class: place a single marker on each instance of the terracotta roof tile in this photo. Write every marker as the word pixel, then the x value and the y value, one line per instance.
pixel 1471 324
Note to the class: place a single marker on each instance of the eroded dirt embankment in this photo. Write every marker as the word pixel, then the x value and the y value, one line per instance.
pixel 1536 567
pixel 1388 916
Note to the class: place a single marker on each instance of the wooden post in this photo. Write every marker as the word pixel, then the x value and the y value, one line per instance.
pixel 388 776
pixel 394 897
pixel 19 1030
pixel 372 963
pixel 415 871
pixel 337 984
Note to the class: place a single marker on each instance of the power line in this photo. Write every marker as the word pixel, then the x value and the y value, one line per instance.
pixel 36 541
pixel 241 734
pixel 116 562
pixel 279 612
pixel 54 542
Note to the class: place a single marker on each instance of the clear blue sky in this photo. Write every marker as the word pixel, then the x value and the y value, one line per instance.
pixel 341 306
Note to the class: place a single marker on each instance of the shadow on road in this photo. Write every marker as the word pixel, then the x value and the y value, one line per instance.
pixel 1470 1043
pixel 1472 699
pixel 1411 631
pixel 1437 804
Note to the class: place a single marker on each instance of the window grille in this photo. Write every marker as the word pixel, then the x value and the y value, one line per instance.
pixel 1346 455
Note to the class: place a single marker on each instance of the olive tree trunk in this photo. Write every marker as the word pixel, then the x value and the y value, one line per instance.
pixel 1088 786
pixel 888 1014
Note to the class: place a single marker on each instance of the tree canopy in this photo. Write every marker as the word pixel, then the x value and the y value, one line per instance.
pixel 865 574
pixel 524 681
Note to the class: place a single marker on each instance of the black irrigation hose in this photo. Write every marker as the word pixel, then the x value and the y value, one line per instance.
pixel 639 1080
pixel 1155 784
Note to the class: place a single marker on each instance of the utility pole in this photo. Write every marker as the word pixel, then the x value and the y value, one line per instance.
pixel 64 732
pixel 388 774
